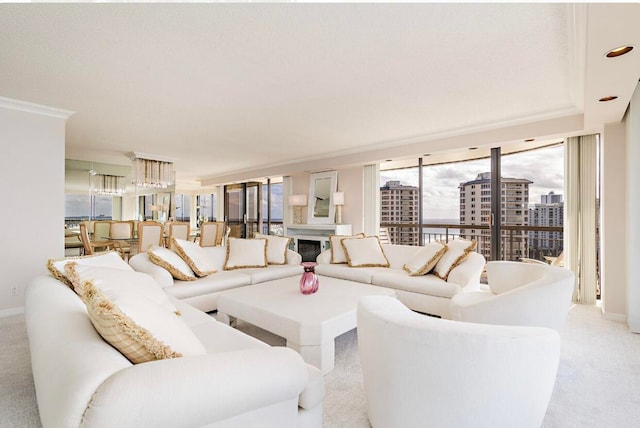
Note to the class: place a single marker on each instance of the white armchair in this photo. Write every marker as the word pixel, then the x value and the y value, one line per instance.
pixel 520 294
pixel 424 371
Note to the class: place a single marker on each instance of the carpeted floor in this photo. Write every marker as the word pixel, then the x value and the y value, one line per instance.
pixel 598 383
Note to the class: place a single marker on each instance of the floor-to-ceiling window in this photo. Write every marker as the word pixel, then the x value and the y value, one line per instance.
pixel 183 207
pixel 456 201
pixel 206 207
pixel 84 207
pixel 272 207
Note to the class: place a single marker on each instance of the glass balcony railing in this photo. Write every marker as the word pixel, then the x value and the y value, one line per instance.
pixel 517 242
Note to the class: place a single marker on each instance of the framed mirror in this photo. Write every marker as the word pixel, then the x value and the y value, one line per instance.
pixel 322 186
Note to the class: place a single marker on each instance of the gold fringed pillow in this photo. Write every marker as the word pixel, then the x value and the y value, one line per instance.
pixel 364 252
pixel 111 259
pixel 337 251
pixel 172 262
pixel 195 256
pixel 425 259
pixel 277 247
pixel 246 253
pixel 457 252
pixel 137 327
pixel 109 280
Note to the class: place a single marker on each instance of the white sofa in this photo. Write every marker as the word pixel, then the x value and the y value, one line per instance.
pixel 203 292
pixel 424 371
pixel 80 380
pixel 519 294
pixel 427 293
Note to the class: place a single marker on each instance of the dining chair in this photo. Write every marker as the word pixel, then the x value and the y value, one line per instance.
pixel 101 230
pixel 211 233
pixel 178 230
pixel 149 233
pixel 91 246
pixel 121 232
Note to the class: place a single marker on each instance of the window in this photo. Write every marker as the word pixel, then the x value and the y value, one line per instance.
pixel 183 207
pixel 85 207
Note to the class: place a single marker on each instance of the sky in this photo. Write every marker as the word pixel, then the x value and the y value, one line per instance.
pixel 545 167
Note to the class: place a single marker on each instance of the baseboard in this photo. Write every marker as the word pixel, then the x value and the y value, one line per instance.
pixel 614 317
pixel 11 312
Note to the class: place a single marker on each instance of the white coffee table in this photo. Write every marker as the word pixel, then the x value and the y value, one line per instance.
pixel 310 323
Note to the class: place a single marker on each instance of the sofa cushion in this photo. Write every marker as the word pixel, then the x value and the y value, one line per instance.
pixel 337 251
pixel 195 256
pixel 457 251
pixel 364 252
pixel 245 253
pixel 109 280
pixel 139 328
pixel 425 259
pixel 343 271
pixel 219 281
pixel 259 275
pixel 426 284
pixel 172 262
pixel 277 247
pixel 111 259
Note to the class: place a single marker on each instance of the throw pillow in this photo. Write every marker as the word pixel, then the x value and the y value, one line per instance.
pixel 107 279
pixel 364 252
pixel 137 327
pixel 111 259
pixel 425 259
pixel 172 262
pixel 195 256
pixel 457 252
pixel 337 252
pixel 246 253
pixel 277 247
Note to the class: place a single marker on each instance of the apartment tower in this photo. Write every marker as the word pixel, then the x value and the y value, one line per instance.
pixel 549 212
pixel 475 209
pixel 399 205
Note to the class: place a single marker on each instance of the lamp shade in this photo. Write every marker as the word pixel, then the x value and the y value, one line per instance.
pixel 338 198
pixel 297 200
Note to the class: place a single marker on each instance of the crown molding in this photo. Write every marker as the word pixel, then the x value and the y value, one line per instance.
pixel 11 104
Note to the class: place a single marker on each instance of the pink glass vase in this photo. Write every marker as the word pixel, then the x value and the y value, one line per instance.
pixel 309 279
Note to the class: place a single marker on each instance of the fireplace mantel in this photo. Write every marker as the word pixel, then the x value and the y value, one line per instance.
pixel 315 232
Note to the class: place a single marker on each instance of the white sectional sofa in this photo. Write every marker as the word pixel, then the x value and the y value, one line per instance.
pixel 81 380
pixel 203 292
pixel 427 293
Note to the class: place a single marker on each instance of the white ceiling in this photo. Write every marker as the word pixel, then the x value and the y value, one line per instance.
pixel 239 91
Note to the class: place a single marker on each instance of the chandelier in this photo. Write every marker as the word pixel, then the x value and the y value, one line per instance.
pixel 108 185
pixel 152 173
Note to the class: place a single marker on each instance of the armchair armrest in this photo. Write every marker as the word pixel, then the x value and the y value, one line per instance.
pixel 198 390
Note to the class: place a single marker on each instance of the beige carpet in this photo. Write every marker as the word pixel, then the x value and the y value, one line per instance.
pixel 598 383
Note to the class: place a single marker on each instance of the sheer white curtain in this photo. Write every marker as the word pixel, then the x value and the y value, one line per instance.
pixel 580 215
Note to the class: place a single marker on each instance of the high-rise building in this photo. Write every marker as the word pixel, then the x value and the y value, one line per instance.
pixel 549 212
pixel 399 205
pixel 475 209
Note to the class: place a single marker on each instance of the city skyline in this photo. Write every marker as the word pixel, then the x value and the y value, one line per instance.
pixel 441 199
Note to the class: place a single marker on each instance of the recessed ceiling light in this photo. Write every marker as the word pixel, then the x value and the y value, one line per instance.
pixel 619 51
pixel 426 154
pixel 473 148
pixel 528 140
pixel 388 160
pixel 610 98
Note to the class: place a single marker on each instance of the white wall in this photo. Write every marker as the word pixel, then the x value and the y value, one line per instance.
pixel 32 170
pixel 613 221
pixel 633 212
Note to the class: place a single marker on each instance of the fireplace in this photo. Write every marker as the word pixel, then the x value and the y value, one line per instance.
pixel 309 249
